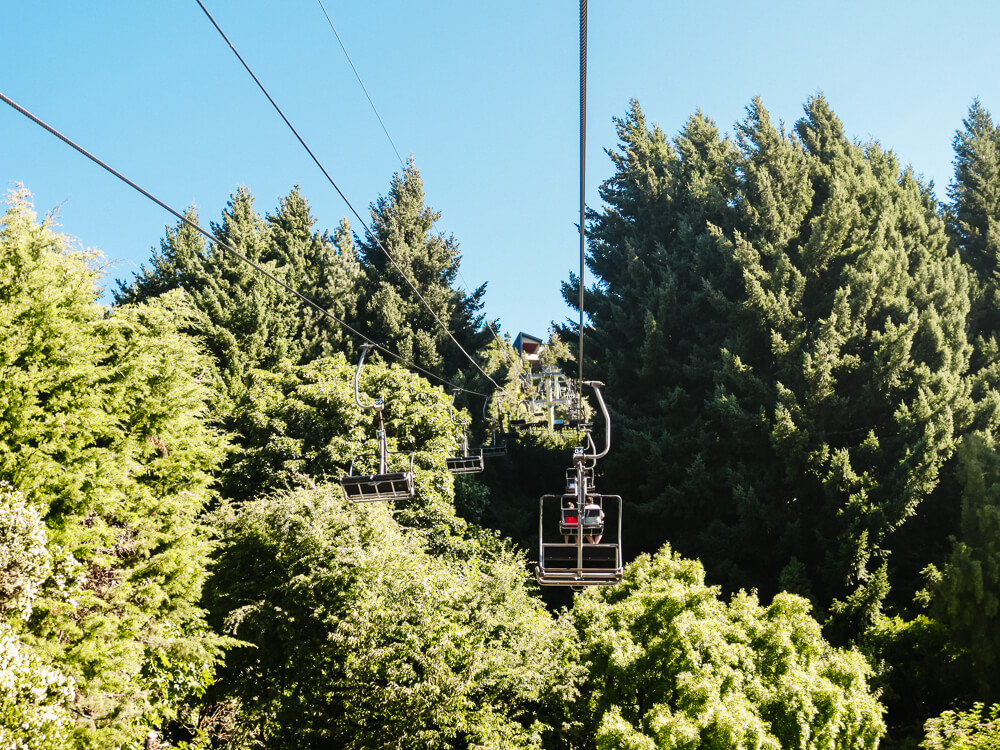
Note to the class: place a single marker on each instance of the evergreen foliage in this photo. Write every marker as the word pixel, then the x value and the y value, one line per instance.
pixel 423 266
pixel 323 268
pixel 246 320
pixel 673 666
pixel 973 215
pixel 800 389
pixel 965 594
pixel 102 428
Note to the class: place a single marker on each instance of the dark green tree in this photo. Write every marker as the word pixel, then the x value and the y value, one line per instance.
pixel 965 593
pixel 411 305
pixel 657 312
pixel 804 335
pixel 324 269
pixel 246 320
pixel 973 215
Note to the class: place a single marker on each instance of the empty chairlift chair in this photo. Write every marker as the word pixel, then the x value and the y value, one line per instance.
pixel 384 485
pixel 498 442
pixel 466 463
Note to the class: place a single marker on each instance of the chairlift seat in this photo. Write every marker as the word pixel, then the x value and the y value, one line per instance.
pixel 362 488
pixel 569 521
pixel 494 451
pixel 593 519
pixel 465 464
pixel 366 488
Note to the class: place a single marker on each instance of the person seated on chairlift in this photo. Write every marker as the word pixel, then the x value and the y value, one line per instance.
pixel 569 519
pixel 590 511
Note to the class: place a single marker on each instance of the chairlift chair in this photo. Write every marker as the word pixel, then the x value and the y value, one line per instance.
pixel 385 485
pixel 528 423
pixel 581 563
pixel 466 463
pixel 588 476
pixel 569 559
pixel 497 447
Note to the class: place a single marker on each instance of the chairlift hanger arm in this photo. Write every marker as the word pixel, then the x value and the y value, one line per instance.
pixel 451 410
pixel 378 403
pixel 597 385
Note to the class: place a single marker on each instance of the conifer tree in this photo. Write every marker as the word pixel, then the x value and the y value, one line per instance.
pixel 410 298
pixel 658 310
pixel 965 594
pixel 246 320
pixel 805 322
pixel 323 268
pixel 102 428
pixel 973 215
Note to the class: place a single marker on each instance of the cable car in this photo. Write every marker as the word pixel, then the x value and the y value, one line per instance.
pixel 384 485
pixel 579 531
pixel 466 463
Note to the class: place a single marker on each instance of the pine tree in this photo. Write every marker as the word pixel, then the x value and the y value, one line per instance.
pixel 410 272
pixel 965 595
pixel 324 269
pixel 246 320
pixel 658 311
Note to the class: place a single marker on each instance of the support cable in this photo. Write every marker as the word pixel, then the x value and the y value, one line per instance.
pixel 489 325
pixel 344 197
pixel 358 76
pixel 583 178
pixel 229 248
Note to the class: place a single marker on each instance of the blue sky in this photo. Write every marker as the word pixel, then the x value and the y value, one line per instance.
pixel 485 97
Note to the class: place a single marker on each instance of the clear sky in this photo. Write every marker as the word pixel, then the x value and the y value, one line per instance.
pixel 485 96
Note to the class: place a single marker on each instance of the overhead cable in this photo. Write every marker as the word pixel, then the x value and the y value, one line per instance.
pixel 583 170
pixel 229 248
pixel 358 76
pixel 344 197
pixel 489 326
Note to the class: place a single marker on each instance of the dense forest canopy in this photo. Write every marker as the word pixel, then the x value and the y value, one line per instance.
pixel 801 350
